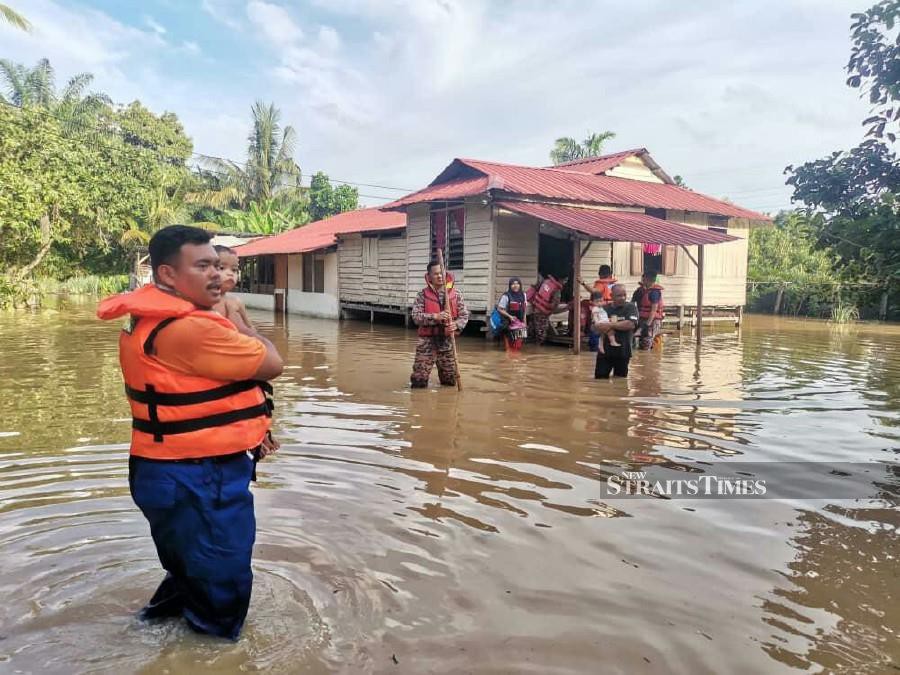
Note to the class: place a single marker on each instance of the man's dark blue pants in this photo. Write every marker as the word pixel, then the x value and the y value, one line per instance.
pixel 202 521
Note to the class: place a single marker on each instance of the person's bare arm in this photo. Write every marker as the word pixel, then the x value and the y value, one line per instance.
pixel 241 311
pixel 272 364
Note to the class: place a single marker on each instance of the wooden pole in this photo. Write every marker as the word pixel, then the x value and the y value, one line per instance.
pixel 576 297
pixel 445 307
pixel 699 294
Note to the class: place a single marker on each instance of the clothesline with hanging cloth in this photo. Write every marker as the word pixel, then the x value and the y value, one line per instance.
pixel 617 225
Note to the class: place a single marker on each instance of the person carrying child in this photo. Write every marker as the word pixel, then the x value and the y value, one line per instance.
pixel 601 325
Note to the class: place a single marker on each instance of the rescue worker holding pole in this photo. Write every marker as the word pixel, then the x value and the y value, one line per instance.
pixel 197 388
pixel 440 313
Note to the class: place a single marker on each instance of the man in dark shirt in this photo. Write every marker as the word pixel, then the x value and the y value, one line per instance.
pixel 624 318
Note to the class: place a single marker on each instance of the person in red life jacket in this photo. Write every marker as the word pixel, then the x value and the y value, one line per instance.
pixel 437 322
pixel 197 388
pixel 649 300
pixel 545 302
pixel 511 306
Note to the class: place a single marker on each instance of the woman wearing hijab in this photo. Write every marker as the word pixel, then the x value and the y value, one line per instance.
pixel 511 308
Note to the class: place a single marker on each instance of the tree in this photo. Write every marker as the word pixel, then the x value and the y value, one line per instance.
pixel 679 181
pixel 568 149
pixel 9 15
pixel 853 197
pixel 269 171
pixel 36 87
pixel 325 200
pixel 787 267
pixel 874 65
pixel 265 217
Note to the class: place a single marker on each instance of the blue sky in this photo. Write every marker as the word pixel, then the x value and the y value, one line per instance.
pixel 387 92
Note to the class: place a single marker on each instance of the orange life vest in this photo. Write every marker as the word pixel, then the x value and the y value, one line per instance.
pixel 644 304
pixel 543 298
pixel 433 306
pixel 604 285
pixel 174 415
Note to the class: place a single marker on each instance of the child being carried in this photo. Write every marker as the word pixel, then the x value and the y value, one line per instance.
pixel 601 323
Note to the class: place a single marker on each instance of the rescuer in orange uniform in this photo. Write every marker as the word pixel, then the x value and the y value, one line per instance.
pixel 197 389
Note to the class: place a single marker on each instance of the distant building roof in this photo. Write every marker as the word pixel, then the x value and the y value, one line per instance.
pixel 469 177
pixel 618 225
pixel 323 233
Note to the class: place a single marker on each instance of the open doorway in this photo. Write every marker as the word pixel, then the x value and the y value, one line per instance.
pixel 555 258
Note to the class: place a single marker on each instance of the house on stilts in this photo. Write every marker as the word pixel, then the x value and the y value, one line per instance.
pixel 494 221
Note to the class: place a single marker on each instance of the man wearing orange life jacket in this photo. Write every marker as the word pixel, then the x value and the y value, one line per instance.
pixel 649 300
pixel 437 322
pixel 196 385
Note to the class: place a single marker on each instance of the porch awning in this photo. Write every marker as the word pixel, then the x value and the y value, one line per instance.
pixel 617 225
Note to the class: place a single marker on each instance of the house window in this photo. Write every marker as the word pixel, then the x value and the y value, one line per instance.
pixel 717 224
pixel 370 252
pixel 448 233
pixel 653 258
pixel 313 273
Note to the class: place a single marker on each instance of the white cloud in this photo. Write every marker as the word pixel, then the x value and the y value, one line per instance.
pixel 221 12
pixel 274 22
pixel 329 40
pixel 191 47
pixel 154 25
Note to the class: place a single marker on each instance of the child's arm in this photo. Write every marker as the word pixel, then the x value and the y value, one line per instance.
pixel 238 308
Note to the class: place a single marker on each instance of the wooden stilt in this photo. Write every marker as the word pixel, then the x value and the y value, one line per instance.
pixel 575 331
pixel 699 294
pixel 680 317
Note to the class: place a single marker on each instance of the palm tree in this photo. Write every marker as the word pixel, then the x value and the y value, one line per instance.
pixel 36 88
pixel 13 17
pixel 270 171
pixel 567 149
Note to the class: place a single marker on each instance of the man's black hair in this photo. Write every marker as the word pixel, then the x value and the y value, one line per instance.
pixel 222 248
pixel 604 271
pixel 432 263
pixel 167 243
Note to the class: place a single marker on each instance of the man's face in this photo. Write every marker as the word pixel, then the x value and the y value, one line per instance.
pixel 619 294
pixel 194 273
pixel 436 276
pixel 229 267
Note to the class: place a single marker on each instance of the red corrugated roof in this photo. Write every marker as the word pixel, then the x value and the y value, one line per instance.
pixel 618 225
pixel 322 233
pixel 599 164
pixel 466 177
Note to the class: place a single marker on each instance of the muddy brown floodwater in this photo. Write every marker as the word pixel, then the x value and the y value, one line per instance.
pixel 431 531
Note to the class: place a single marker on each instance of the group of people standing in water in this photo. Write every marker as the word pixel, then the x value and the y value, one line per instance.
pixel 608 319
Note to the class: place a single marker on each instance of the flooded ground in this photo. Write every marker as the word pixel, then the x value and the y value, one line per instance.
pixel 431 531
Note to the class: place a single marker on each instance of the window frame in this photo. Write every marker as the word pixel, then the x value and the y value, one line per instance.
pixel 313 268
pixel 454 245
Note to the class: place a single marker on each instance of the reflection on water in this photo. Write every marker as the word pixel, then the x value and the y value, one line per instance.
pixel 466 531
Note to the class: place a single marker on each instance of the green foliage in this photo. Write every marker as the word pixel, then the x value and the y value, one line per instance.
pixel 842 313
pixel 786 256
pixel 326 200
pixel 81 284
pixel 874 65
pixel 567 149
pixel 269 172
pixel 80 183
pixel 266 217
pixel 9 15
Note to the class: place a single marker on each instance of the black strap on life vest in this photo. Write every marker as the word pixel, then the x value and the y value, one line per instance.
pixel 160 429
pixel 149 348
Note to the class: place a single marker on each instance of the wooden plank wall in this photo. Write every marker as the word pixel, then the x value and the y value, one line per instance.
pixel 516 252
pixel 475 278
pixel 381 284
pixel 725 281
